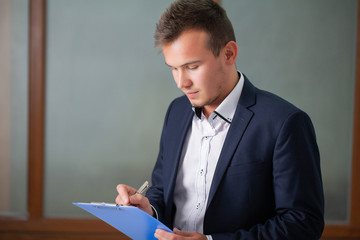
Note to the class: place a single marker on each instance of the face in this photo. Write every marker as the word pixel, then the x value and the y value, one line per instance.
pixel 196 71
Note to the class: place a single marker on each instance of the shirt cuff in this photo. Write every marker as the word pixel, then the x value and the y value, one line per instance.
pixel 156 214
pixel 209 237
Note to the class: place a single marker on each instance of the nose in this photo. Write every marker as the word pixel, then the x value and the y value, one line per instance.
pixel 182 80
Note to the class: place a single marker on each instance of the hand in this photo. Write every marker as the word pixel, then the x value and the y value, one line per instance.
pixel 178 235
pixel 128 196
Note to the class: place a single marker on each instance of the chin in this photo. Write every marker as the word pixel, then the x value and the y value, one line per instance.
pixel 197 105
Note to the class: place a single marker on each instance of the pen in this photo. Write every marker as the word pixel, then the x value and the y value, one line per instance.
pixel 143 188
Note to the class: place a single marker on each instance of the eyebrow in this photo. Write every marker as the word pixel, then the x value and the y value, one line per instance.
pixel 185 64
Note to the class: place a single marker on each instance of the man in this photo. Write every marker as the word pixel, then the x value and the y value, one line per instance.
pixel 235 162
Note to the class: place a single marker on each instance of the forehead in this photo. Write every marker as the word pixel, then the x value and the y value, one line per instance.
pixel 191 45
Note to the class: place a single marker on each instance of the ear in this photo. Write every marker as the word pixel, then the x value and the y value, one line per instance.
pixel 230 52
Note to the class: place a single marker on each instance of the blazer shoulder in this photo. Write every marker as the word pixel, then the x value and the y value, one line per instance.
pixel 256 98
pixel 178 108
pixel 269 99
pixel 267 105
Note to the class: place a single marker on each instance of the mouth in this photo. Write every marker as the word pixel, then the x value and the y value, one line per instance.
pixel 191 94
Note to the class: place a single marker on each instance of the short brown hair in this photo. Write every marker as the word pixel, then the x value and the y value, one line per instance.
pixel 204 15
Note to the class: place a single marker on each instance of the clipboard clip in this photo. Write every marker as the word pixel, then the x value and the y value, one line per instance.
pixel 103 204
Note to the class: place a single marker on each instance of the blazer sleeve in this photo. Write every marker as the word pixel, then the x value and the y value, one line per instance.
pixel 155 194
pixel 297 187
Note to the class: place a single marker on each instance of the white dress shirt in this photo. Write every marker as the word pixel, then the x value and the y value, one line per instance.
pixel 200 154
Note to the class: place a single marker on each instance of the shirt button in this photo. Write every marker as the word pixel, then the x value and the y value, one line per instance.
pixel 201 172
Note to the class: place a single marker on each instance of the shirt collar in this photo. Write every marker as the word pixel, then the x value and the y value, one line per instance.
pixel 226 109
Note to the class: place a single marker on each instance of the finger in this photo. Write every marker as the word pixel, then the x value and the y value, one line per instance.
pixel 164 235
pixel 125 188
pixel 189 235
pixel 124 193
pixel 141 202
pixel 182 233
pixel 137 199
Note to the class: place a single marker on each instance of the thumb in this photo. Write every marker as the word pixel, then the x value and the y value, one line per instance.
pixel 182 233
pixel 135 199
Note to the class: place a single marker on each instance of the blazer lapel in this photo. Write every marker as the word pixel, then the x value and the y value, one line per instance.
pixel 238 126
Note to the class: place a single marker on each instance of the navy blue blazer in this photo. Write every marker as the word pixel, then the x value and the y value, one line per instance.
pixel 267 183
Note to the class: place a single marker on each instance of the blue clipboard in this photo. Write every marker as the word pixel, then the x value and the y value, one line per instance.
pixel 130 220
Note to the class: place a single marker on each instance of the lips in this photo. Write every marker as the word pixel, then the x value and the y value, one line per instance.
pixel 191 94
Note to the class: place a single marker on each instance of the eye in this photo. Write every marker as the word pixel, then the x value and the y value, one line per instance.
pixel 193 67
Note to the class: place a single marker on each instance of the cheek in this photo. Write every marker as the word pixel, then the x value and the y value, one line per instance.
pixel 201 77
pixel 206 79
